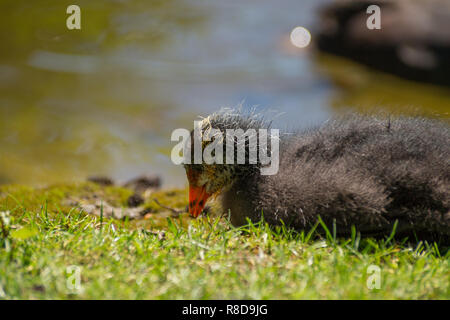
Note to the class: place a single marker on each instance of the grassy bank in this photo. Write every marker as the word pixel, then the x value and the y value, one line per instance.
pixel 51 248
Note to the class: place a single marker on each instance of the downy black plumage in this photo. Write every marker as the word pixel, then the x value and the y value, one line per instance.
pixel 354 170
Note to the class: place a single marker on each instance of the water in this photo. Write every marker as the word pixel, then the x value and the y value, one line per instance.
pixel 105 99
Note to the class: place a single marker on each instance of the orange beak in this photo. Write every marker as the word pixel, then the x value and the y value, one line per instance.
pixel 197 195
pixel 197 200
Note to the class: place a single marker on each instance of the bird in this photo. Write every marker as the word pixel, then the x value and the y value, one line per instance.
pixel 367 172
pixel 412 39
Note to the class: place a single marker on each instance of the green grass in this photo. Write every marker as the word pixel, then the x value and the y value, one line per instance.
pixel 45 244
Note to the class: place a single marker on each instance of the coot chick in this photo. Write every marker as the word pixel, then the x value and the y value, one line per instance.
pixel 360 171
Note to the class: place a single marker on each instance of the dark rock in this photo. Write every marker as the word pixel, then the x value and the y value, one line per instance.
pixel 135 200
pixel 142 183
pixel 39 287
pixel 101 180
pixel 146 210
pixel 413 42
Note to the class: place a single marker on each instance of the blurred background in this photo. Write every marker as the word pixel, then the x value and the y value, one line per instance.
pixel 104 100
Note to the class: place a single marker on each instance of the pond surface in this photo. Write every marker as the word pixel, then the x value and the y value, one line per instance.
pixel 104 99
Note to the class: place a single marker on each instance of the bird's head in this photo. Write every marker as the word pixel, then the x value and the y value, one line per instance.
pixel 212 176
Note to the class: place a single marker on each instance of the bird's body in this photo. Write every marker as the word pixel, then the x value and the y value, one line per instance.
pixel 354 171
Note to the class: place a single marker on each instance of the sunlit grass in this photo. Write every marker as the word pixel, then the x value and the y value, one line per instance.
pixel 198 259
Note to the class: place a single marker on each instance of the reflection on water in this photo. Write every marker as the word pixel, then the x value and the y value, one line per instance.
pixel 105 99
pixel 364 90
